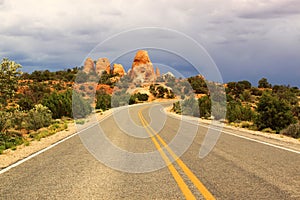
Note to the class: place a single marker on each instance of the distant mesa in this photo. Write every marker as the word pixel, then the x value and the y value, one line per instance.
pixel 142 70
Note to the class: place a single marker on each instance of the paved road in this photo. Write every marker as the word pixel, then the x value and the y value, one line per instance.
pixel 236 168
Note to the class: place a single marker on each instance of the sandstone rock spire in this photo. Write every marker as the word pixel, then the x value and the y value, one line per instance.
pixel 142 70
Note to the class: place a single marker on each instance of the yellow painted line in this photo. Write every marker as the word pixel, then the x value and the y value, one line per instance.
pixel 199 185
pixel 180 182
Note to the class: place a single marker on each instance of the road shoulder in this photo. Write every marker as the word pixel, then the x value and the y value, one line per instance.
pixel 10 157
pixel 271 138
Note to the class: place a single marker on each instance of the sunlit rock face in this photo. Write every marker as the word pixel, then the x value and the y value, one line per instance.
pixel 157 72
pixel 88 66
pixel 142 70
pixel 118 69
pixel 102 65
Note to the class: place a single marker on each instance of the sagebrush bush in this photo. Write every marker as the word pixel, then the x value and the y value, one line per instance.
pixel 176 107
pixel 38 117
pixel 4 122
pixel 18 120
pixel 292 130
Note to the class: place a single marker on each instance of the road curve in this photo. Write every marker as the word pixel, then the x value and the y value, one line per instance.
pixel 166 160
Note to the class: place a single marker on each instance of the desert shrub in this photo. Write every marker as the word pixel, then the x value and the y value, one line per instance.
pixel 38 117
pixel 235 88
pixel 273 113
pixel 138 97
pixel 198 84
pixel 205 107
pixel 285 93
pixel 63 104
pixel 10 140
pixel 292 130
pixel 190 107
pixel 59 103
pixel 19 119
pixel 161 91
pixel 4 123
pixel 9 76
pixel 80 107
pixel 247 84
pixel 246 96
pixel 268 130
pixel 218 111
pixel 120 98
pixel 2 148
pixel 237 112
pixel 103 101
pixel 25 103
pixel 80 121
pixel 296 112
pixel 176 107
pixel 152 90
pixel 142 97
pixel 132 99
pixel 81 77
pixel 245 124
pixel 255 91
pixel 263 83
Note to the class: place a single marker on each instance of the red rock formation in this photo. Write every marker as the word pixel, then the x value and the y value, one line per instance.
pixel 106 88
pixel 142 69
pixel 102 65
pixel 118 68
pixel 88 66
pixel 157 72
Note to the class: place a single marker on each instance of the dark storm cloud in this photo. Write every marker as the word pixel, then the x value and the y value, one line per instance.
pixel 281 9
pixel 247 39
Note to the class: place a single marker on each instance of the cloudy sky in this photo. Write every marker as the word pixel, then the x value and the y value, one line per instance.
pixel 247 39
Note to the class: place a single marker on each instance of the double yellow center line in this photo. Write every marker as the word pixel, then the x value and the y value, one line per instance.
pixel 182 185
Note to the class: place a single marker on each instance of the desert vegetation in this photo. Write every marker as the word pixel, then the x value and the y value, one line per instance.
pixel 266 108
pixel 35 105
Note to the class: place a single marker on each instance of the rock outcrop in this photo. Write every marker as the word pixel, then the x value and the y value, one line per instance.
pixel 168 76
pixel 118 69
pixel 88 66
pixel 104 88
pixel 142 70
pixel 157 72
pixel 102 65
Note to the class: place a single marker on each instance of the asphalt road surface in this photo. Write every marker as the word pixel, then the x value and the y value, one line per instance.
pixel 142 153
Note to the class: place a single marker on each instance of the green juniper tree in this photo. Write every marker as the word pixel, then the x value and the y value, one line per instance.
pixel 9 76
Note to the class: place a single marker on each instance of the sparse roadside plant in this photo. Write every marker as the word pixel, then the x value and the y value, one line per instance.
pixel 205 106
pixel 176 107
pixel 292 130
pixel 268 130
pixel 103 101
pixel 38 117
pixel 9 76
